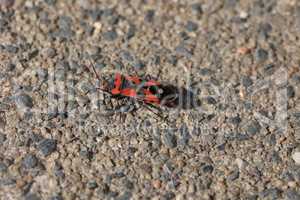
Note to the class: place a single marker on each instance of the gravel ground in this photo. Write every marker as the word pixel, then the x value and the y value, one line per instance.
pixel 239 57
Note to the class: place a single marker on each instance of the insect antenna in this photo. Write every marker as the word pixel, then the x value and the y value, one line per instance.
pixel 98 77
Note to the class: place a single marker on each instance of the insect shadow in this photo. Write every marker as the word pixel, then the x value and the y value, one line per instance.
pixel 179 98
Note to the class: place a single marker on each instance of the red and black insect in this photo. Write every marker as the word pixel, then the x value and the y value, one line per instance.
pixel 147 92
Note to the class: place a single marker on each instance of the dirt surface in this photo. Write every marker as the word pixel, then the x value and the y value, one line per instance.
pixel 60 140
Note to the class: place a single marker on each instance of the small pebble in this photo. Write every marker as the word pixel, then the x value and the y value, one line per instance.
pixel 208 169
pixel 42 73
pixel 182 50
pixel 197 8
pixel 170 139
pixel 126 55
pixel 211 100
pixel 92 185
pixel 290 91
pixel 3 167
pixel 247 81
pixel 64 22
pixel 138 65
pixel 24 100
pixel 292 194
pixel 2 138
pixel 29 161
pixel 110 35
pixel 261 55
pixel 50 2
pixel 48 52
pixel 57 197
pixel 32 196
pixel 264 29
pixel 253 128
pixel 131 32
pixel 11 48
pixel 47 146
pixel 10 66
pixel 149 16
pixel 272 193
pixel 233 175
pixel 235 120
pixel 191 26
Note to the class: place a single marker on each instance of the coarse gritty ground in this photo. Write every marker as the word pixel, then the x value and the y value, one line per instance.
pixel 240 57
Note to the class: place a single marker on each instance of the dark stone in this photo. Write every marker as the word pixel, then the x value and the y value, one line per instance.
pixel 110 35
pixel 100 65
pixel 87 154
pixel 169 196
pixel 184 135
pixel 29 161
pixel 269 69
pixel 60 74
pixel 95 14
pixel 191 26
pixel 58 170
pixel 221 147
pixel 149 16
pixel 264 29
pixel 32 196
pixel 57 197
pixel 42 73
pixel 272 193
pixel 290 91
pixel 50 2
pixel 3 167
pixel 184 35
pixel 275 157
pixel 206 71
pixel 131 32
pixel 233 175
pixel 113 20
pixel 47 146
pixel 292 194
pixel 241 137
pixel 7 181
pixel 197 8
pixel 2 138
pixel 24 100
pixel 118 65
pixel 126 55
pixel 172 60
pixel 253 128
pixel 49 52
pixel 208 169
pixel 235 120
pixel 92 185
pixel 247 81
pixel 108 12
pixel 10 66
pixel 170 139
pixel 138 65
pixel 128 184
pixel 261 55
pixel 64 22
pixel 252 197
pixel 182 50
pixel 87 87
pixel 211 100
pixel 11 49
